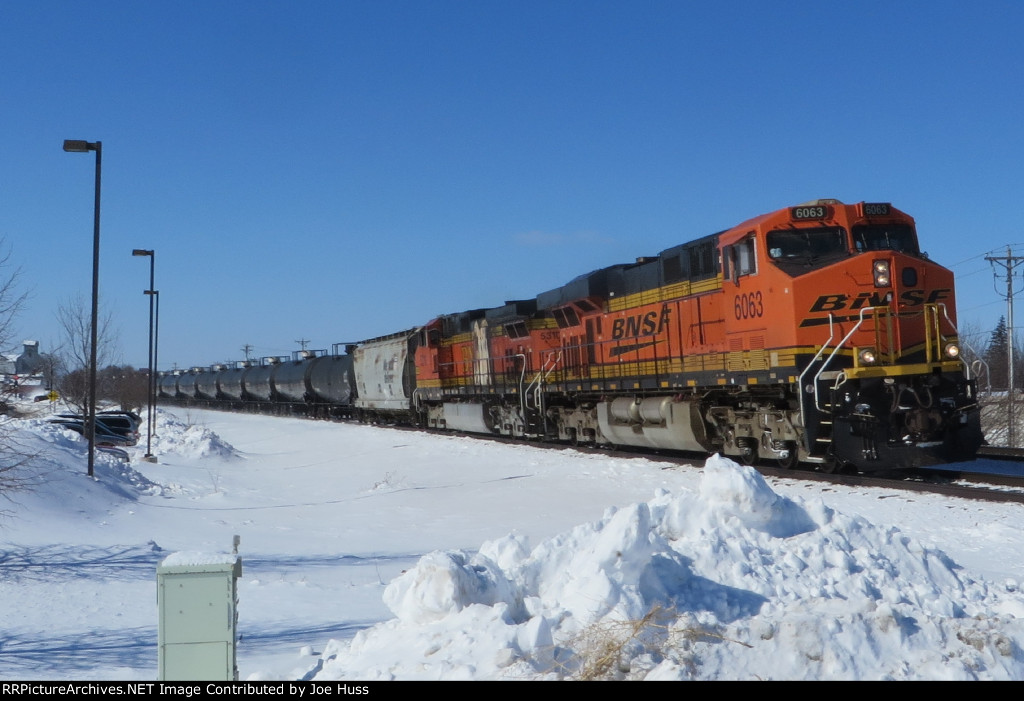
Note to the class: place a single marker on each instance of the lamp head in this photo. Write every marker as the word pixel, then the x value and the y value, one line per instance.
pixel 78 146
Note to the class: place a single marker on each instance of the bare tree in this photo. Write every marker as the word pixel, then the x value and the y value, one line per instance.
pixel 15 458
pixel 11 303
pixel 985 353
pixel 11 300
pixel 52 366
pixel 125 385
pixel 19 464
pixel 75 319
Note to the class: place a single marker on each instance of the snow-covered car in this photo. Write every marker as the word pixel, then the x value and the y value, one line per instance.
pixel 104 434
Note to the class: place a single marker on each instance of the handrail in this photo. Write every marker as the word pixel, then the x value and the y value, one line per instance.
pixel 981 362
pixel 534 387
pixel 839 345
pixel 800 380
pixel 543 374
pixel 932 333
pixel 522 391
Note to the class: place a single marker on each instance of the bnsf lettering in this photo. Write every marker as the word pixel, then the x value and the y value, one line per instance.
pixel 910 298
pixel 832 303
pixel 641 324
pixel 915 297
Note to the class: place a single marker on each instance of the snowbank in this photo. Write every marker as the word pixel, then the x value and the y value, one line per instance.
pixel 735 582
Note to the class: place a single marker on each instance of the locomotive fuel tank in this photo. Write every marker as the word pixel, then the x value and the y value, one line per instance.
pixel 472 417
pixel 655 422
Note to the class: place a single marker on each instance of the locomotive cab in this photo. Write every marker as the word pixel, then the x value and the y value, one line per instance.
pixel 885 388
pixel 838 331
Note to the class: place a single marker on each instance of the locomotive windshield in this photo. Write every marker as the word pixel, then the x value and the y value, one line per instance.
pixel 806 247
pixel 885 237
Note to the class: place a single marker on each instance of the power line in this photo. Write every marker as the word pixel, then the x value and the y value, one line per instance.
pixel 982 255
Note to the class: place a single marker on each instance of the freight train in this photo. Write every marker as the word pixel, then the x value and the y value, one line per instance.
pixel 816 334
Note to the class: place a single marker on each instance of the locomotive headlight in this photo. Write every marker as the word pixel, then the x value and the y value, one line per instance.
pixel 867 356
pixel 952 350
pixel 880 268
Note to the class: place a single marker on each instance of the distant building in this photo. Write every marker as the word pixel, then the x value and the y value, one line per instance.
pixel 28 362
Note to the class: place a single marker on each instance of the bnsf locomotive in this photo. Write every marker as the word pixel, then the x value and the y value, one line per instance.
pixel 814 334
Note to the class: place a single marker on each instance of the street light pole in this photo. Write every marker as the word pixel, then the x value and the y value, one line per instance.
pixel 156 345
pixel 74 146
pixel 151 389
pixel 154 295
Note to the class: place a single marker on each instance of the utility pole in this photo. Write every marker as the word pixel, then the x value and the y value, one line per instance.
pixel 303 342
pixel 1009 263
pixel 247 349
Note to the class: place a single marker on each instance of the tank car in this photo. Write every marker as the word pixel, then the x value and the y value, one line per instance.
pixel 185 383
pixel 316 383
pixel 167 386
pixel 330 382
pixel 288 380
pixel 313 383
pixel 229 380
pixel 206 382
pixel 256 385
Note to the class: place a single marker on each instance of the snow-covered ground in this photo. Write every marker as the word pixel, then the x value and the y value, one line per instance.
pixel 370 553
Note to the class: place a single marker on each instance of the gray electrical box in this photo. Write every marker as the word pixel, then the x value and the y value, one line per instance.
pixel 198 609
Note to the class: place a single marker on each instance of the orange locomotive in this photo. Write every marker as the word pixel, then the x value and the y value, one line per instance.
pixel 818 333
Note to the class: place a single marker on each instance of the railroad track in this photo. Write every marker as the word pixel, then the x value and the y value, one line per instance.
pixel 978 486
pixel 960 484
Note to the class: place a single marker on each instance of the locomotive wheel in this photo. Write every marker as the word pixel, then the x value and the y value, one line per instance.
pixel 790 463
pixel 831 466
pixel 748 454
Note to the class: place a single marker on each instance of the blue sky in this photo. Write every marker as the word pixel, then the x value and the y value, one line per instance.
pixel 330 171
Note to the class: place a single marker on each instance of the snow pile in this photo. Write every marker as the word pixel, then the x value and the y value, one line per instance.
pixel 29 430
pixel 183 438
pixel 733 582
pixel 58 453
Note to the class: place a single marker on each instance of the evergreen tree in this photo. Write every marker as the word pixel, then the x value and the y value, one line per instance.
pixel 997 356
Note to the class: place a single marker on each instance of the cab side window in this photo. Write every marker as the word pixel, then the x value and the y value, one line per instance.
pixel 740 259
